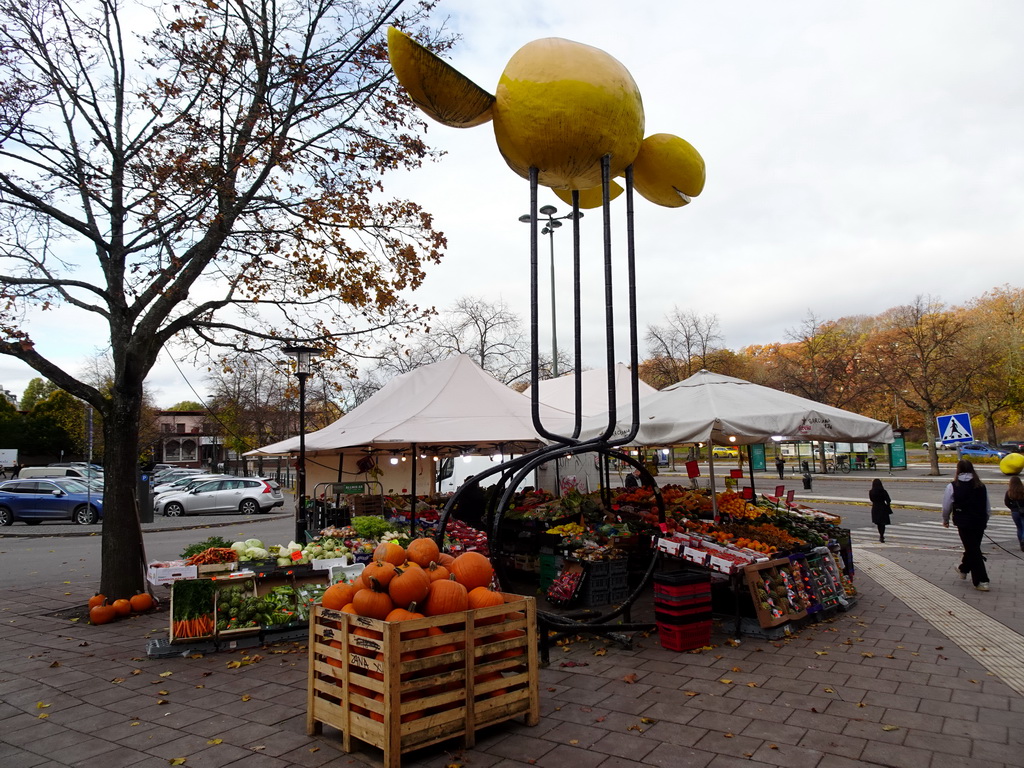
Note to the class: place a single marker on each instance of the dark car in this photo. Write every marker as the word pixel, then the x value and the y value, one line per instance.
pixel 1012 447
pixel 55 498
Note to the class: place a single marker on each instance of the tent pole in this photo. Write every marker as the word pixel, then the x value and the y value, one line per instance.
pixel 412 491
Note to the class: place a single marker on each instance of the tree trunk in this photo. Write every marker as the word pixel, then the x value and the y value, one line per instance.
pixel 123 556
pixel 931 436
pixel 990 428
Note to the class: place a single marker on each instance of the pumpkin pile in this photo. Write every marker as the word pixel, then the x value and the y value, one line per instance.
pixel 103 611
pixel 418 579
pixel 405 584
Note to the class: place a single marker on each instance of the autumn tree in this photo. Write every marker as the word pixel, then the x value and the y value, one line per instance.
pixel 206 173
pixel 997 336
pixel 36 391
pixel 920 353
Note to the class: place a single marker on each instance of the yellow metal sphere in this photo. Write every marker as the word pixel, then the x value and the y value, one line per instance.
pixel 1011 464
pixel 561 106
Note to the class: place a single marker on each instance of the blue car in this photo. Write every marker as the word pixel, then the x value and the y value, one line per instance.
pixel 49 498
pixel 980 449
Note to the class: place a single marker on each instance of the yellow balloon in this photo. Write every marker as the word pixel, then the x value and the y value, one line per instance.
pixel 668 171
pixel 1011 464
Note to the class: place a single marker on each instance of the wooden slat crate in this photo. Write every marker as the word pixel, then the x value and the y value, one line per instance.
pixel 400 686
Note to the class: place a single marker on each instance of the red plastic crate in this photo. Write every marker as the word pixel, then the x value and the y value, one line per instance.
pixel 685 637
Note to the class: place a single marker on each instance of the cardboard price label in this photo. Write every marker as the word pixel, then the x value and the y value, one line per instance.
pixel 296 556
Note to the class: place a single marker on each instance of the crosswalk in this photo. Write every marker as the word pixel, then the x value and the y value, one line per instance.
pixel 931 535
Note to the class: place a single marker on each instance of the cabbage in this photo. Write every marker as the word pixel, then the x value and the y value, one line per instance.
pixel 250 543
pixel 239 547
pixel 257 553
pixel 283 561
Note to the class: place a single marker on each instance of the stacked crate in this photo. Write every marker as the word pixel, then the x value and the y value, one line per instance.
pixel 682 609
pixel 605 582
pixel 400 686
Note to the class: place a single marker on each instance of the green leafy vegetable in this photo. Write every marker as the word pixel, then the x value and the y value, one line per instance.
pixel 202 546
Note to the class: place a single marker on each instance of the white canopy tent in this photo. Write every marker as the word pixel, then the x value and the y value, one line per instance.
pixel 561 392
pixel 712 408
pixel 453 402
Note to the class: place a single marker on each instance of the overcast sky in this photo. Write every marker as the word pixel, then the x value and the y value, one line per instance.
pixel 858 154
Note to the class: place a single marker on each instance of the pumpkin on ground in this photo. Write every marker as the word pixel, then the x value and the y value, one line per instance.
pixel 96 599
pixel 102 614
pixel 142 602
pixel 122 607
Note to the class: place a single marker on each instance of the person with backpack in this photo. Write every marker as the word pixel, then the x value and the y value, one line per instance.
pixel 1014 501
pixel 966 500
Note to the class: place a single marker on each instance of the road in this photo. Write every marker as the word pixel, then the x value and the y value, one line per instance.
pixel 48 554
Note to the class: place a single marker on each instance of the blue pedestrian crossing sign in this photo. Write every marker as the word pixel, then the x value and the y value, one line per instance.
pixel 955 428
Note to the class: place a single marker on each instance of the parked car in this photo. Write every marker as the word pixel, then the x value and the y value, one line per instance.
pixel 980 449
pixel 79 472
pixel 186 483
pixel 33 501
pixel 247 495
pixel 941 446
pixel 1012 447
pixel 725 452
pixel 175 474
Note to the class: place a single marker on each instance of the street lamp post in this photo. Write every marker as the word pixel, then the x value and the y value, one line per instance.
pixel 550 225
pixel 303 356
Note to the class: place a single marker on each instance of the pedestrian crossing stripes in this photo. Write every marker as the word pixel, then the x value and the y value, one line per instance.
pixel 931 535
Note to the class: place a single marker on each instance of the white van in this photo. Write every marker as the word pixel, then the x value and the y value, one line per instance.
pixel 30 472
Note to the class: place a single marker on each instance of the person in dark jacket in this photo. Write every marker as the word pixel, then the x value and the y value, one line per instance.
pixel 1014 501
pixel 633 479
pixel 881 507
pixel 967 501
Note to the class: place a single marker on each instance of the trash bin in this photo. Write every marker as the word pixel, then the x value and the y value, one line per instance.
pixel 144 493
pixel 807 481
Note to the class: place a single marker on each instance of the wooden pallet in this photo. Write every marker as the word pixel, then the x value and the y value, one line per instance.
pixel 400 686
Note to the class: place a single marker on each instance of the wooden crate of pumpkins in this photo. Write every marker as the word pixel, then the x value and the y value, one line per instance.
pixel 428 670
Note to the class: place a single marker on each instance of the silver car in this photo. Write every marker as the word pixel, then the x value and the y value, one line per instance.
pixel 247 495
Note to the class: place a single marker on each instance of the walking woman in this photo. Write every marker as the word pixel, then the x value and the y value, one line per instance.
pixel 1014 500
pixel 967 500
pixel 881 507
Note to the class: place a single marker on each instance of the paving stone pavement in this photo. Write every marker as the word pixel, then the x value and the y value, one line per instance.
pixel 879 685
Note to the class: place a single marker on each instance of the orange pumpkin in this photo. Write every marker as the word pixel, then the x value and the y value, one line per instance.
pixel 102 613
pixel 379 574
pixel 422 551
pixel 122 607
pixel 390 552
pixel 141 602
pixel 484 597
pixel 445 559
pixel 471 569
pixel 337 596
pixel 375 605
pixel 96 599
pixel 445 596
pixel 436 571
pixel 410 585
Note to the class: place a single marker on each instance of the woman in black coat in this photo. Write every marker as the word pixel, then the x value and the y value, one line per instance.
pixel 881 507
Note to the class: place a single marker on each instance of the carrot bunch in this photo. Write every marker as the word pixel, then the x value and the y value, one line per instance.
pixel 200 626
pixel 213 555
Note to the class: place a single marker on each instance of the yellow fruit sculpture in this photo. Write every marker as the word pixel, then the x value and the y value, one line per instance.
pixel 1011 464
pixel 560 107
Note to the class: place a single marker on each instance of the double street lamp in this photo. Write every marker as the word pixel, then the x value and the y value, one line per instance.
pixel 303 356
pixel 550 225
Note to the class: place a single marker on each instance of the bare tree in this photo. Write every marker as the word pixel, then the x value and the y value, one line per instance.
pixel 489 332
pixel 205 171
pixel 682 346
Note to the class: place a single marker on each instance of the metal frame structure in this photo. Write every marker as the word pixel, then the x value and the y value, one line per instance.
pixel 560 445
